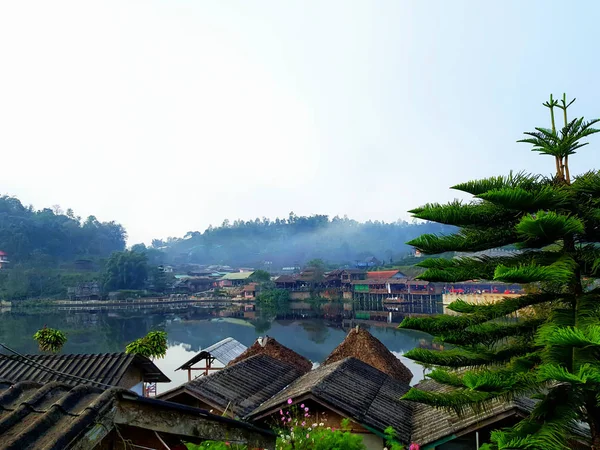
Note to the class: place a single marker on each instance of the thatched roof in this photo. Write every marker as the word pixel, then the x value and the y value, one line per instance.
pixel 361 344
pixel 269 346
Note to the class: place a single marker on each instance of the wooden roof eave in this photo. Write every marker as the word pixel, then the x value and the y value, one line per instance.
pixel 312 397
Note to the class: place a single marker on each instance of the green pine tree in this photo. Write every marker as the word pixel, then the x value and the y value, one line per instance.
pixel 551 351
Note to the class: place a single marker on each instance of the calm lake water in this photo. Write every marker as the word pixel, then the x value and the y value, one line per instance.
pixel 189 330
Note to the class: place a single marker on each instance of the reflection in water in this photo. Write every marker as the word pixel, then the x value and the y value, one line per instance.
pixel 188 331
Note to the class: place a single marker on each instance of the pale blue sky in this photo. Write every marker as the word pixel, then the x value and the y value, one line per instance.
pixel 168 116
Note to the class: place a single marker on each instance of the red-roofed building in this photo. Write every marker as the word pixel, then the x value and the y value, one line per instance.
pixel 385 275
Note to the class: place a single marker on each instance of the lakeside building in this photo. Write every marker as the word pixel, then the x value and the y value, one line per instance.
pixel 3 259
pixel 234 279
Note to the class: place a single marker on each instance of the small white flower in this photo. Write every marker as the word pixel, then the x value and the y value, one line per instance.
pixel 321 424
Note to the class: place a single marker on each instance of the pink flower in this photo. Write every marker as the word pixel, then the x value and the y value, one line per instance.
pixel 303 423
pixel 281 412
pixel 306 435
pixel 302 405
pixel 289 420
pixel 414 446
pixel 306 409
pixel 306 415
pixel 289 401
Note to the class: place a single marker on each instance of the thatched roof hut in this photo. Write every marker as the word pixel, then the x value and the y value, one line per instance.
pixel 269 346
pixel 361 344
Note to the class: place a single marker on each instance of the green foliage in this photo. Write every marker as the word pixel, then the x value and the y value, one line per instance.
pixel 546 343
pixel 153 345
pixel 29 236
pixel 273 301
pixel 260 276
pixel 125 270
pixel 50 340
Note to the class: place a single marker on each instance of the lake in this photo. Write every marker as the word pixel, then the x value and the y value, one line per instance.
pixel 189 330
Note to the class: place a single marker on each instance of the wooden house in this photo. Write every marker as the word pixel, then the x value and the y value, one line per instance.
pixel 123 370
pixel 362 345
pixel 63 416
pixel 270 347
pixel 444 430
pixel 234 279
pixel 239 388
pixel 351 389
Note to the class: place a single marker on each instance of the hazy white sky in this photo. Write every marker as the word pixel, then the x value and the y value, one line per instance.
pixel 168 116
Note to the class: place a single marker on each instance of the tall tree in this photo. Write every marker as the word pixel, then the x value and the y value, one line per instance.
pixel 125 270
pixel 553 349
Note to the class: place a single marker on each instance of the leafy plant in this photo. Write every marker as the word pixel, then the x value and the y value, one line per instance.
pixel 551 349
pixel 153 345
pixel 50 340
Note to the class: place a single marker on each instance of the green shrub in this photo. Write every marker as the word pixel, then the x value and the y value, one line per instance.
pixel 153 345
pixel 50 340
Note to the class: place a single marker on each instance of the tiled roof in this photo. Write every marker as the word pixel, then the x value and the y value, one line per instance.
pixel 356 389
pixel 56 416
pixel 361 344
pixel 107 368
pixel 241 387
pixel 285 279
pixel 269 346
pixel 225 351
pixel 47 416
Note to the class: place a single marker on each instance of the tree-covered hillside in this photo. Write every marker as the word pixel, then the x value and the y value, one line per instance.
pixel 296 239
pixel 51 236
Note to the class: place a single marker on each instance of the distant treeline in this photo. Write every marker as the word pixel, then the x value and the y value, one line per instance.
pixel 295 240
pixel 51 235
pixel 43 246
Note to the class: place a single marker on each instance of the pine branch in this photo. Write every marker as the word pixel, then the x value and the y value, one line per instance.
pixel 489 334
pixel 519 199
pixel 504 307
pixel 465 241
pixel 520 179
pixel 548 226
pixel 460 214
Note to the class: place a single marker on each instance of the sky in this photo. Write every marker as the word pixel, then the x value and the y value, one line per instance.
pixel 169 116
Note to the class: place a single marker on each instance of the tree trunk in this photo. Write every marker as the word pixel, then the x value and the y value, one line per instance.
pixel 593 413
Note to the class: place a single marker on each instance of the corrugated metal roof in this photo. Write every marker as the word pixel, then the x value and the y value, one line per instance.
pixel 107 368
pixel 242 386
pixel 237 276
pixel 383 274
pixel 358 390
pixel 224 351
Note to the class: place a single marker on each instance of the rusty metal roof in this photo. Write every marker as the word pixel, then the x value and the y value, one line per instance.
pixel 106 368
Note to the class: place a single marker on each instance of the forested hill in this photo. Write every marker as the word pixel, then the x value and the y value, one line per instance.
pixel 295 240
pixel 50 236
